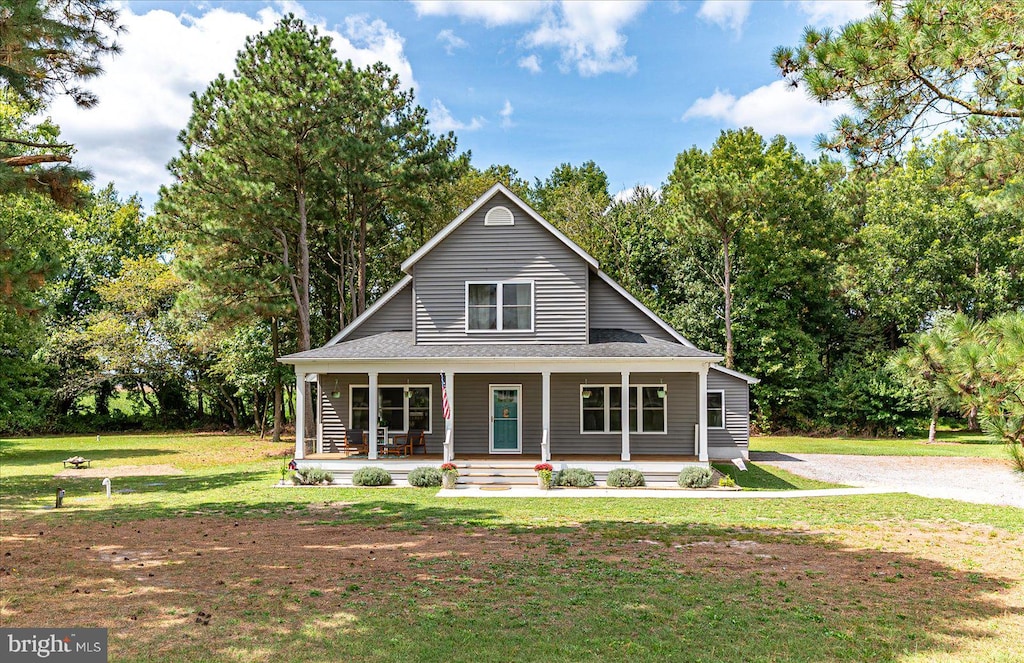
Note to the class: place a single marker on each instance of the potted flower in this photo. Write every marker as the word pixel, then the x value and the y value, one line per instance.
pixel 449 475
pixel 544 472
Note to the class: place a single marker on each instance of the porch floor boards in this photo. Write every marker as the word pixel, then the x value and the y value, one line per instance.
pixel 513 458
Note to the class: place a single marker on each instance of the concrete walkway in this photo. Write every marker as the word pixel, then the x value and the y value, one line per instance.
pixel 979 480
pixel 658 493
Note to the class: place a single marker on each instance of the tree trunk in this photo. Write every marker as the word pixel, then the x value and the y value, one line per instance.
pixel 104 390
pixel 341 280
pixel 727 288
pixel 232 408
pixel 361 279
pixel 972 419
pixel 151 406
pixel 304 335
pixel 278 387
pixel 933 424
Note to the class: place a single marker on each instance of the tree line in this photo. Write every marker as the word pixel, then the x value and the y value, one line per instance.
pixel 302 182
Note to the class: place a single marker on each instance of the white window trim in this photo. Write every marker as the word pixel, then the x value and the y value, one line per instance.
pixel 722 392
pixel 500 288
pixel 639 414
pixel 519 419
pixel 405 403
pixel 491 219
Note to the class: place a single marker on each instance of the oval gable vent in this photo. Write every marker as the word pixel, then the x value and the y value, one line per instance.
pixel 499 216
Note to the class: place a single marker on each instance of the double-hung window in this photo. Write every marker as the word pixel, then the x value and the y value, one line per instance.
pixel 716 409
pixel 601 408
pixel 499 306
pixel 401 409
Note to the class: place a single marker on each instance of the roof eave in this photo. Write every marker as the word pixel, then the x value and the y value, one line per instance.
pixel 368 313
pixel 480 202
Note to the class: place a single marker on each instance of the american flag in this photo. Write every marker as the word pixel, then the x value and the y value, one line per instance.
pixel 446 410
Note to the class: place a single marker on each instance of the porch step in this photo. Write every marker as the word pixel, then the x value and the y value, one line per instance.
pixel 494 472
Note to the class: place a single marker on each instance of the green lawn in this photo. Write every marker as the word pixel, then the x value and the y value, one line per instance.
pixel 317 574
pixel 949 443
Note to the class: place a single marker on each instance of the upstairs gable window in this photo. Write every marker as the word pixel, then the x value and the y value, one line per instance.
pixel 499 306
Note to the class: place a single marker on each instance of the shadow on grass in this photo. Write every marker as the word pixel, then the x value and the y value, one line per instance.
pixel 24 492
pixel 385 579
pixel 14 457
pixel 773 456
pixel 964 437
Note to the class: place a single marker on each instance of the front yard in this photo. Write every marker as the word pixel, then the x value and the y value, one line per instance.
pixel 399 574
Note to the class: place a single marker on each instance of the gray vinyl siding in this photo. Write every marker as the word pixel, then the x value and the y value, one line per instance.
pixel 395 315
pixel 566 437
pixel 472 412
pixel 736 434
pixel 335 410
pixel 524 251
pixel 610 310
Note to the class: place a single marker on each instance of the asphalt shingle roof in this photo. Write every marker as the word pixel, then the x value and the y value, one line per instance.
pixel 604 343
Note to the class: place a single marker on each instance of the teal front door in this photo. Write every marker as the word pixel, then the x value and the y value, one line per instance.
pixel 506 420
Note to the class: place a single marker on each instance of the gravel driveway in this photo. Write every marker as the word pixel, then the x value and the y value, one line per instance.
pixel 982 480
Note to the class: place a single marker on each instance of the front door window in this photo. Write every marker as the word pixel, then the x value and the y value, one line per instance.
pixel 505 420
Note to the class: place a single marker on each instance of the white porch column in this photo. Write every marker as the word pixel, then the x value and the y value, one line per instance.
pixel 374 415
pixel 300 414
pixel 449 423
pixel 319 416
pixel 624 401
pixel 545 396
pixel 701 443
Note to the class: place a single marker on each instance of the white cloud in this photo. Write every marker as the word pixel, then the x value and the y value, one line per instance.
pixel 506 115
pixel 451 41
pixel 129 137
pixel 489 12
pixel 588 34
pixel 835 12
pixel 627 195
pixel 442 120
pixel 727 14
pixel 772 109
pixel 531 63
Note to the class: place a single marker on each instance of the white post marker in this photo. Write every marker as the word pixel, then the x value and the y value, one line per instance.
pixel 106 484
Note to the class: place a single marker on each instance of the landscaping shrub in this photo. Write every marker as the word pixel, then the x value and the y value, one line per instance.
pixel 727 481
pixel 624 477
pixel 425 477
pixel 311 477
pixel 371 476
pixel 695 477
pixel 576 477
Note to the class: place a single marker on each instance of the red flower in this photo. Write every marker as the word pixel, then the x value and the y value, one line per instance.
pixel 448 467
pixel 542 467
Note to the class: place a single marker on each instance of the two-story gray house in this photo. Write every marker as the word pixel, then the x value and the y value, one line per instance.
pixel 505 339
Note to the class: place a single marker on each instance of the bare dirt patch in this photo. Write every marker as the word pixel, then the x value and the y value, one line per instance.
pixel 199 587
pixel 118 471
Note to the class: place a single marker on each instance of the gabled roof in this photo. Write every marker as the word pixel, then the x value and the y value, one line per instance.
pixel 480 202
pixel 736 374
pixel 368 313
pixel 643 309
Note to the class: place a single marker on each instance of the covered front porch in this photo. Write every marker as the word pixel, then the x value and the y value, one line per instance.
pixel 572 412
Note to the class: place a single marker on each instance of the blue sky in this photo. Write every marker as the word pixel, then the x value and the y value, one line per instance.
pixel 530 84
